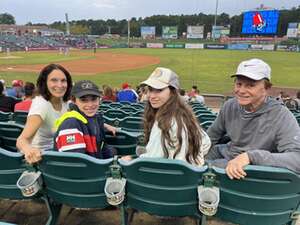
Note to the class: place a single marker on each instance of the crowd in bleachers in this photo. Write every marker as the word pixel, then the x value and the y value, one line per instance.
pixel 28 42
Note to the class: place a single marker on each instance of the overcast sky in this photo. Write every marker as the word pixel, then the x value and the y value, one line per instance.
pixel 48 11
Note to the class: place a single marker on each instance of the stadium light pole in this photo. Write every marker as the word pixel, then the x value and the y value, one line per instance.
pixel 216 12
pixel 128 32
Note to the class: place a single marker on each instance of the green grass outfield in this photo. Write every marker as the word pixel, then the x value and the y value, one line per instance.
pixel 209 69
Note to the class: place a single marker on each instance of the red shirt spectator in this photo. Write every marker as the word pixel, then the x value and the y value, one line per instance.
pixel 108 94
pixel 25 105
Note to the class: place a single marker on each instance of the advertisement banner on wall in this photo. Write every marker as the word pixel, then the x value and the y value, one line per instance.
pixel 215 46
pixel 169 32
pixel 174 45
pixel 194 46
pixel 220 31
pixel 262 47
pixel 238 46
pixel 292 31
pixel 194 32
pixel 155 45
pixel 148 32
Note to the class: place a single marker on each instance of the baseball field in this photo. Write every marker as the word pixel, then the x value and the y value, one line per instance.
pixel 209 69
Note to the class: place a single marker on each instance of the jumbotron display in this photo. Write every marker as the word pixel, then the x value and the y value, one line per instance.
pixel 260 22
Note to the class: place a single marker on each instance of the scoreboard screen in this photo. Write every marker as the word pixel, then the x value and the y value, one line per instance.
pixel 260 22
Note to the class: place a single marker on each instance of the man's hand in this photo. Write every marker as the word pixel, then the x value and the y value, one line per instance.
pixel 235 167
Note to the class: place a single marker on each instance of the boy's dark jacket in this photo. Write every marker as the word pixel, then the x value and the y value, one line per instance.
pixel 78 133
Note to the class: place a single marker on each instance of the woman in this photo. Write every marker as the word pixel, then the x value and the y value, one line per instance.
pixel 171 129
pixel 54 85
pixel 108 94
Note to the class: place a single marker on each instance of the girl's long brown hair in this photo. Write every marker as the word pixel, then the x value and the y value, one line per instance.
pixel 175 109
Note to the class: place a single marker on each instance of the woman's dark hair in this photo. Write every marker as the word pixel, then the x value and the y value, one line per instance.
pixel 42 81
pixel 175 109
pixel 298 94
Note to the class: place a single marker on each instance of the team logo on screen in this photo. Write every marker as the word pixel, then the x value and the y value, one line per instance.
pixel 258 22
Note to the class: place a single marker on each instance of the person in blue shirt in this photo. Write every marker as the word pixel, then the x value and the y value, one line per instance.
pixel 127 94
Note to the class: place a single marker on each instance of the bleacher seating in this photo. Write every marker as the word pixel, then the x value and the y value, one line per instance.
pixel 9 132
pixel 76 180
pixel 163 187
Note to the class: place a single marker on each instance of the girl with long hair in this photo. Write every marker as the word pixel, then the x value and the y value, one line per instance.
pixel 171 129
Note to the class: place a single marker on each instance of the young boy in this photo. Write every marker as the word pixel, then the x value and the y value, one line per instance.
pixel 82 128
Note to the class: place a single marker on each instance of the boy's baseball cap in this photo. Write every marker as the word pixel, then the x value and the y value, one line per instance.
pixel 255 69
pixel 85 87
pixel 161 78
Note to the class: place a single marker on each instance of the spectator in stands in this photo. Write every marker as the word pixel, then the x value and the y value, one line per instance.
pixel 108 94
pixel 184 96
pixel 29 90
pixel 7 103
pixel 262 131
pixel 82 129
pixel 171 128
pixel 197 97
pixel 193 91
pixel 297 99
pixel 4 87
pixel 54 85
pixel 16 90
pixel 127 94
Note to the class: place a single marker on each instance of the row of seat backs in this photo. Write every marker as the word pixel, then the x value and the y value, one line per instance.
pixel 267 196
pixel 17 116
pixel 120 114
pixel 125 141
pixel 9 132
pixel 130 123
pixel 133 106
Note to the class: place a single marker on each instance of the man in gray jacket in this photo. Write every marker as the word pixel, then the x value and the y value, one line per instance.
pixel 262 131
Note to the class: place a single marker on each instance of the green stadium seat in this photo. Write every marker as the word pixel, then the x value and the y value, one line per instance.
pixel 20 117
pixel 266 196
pixel 132 124
pixel 9 132
pixel 104 107
pixel 115 105
pixel 112 121
pixel 161 187
pixel 206 124
pixel 116 114
pixel 138 106
pixel 138 113
pixel 5 116
pixel 73 179
pixel 128 109
pixel 11 167
pixel 203 117
pixel 125 142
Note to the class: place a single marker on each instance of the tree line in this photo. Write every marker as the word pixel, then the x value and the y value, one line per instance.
pixel 99 27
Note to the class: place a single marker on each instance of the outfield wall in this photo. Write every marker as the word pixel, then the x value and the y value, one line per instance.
pixel 237 46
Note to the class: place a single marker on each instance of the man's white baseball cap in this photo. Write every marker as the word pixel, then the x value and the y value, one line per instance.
pixel 161 78
pixel 255 69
